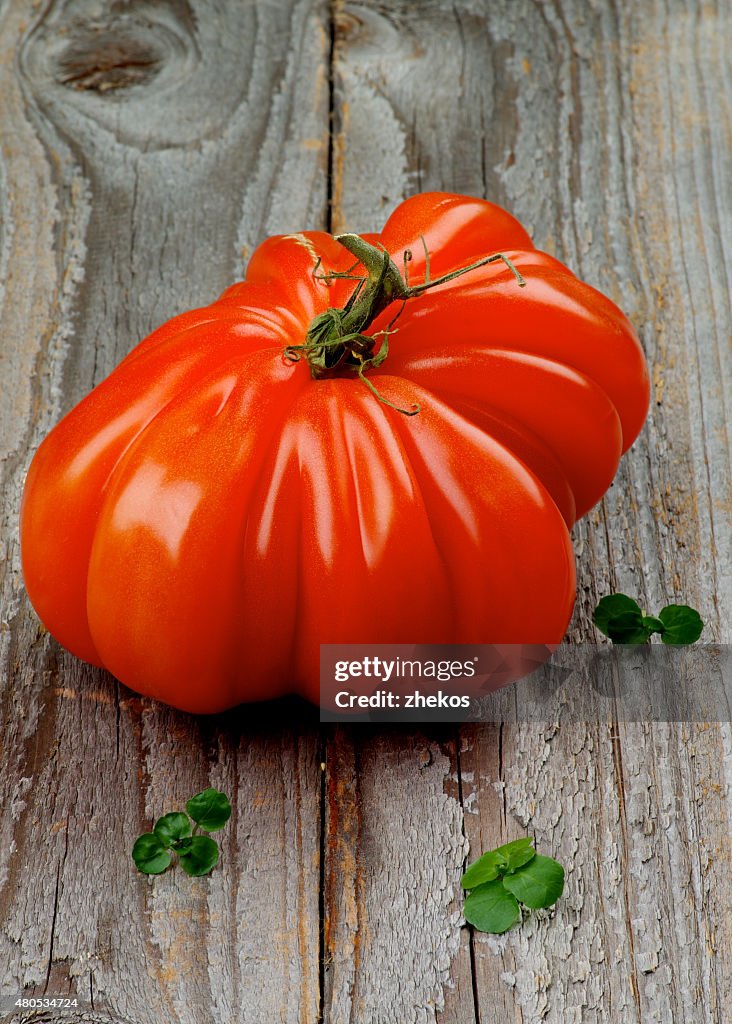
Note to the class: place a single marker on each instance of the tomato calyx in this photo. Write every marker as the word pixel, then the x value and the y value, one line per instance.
pixel 335 343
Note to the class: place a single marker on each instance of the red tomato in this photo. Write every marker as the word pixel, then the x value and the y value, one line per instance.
pixel 212 512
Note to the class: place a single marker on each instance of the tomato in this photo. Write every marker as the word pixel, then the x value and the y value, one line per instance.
pixel 234 494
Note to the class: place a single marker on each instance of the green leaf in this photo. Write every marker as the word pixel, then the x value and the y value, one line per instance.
pixel 538 884
pixel 209 809
pixel 485 869
pixel 611 607
pixel 517 853
pixel 628 628
pixel 489 908
pixel 150 855
pixel 653 625
pixel 172 826
pixel 497 862
pixel 620 617
pixel 683 624
pixel 197 855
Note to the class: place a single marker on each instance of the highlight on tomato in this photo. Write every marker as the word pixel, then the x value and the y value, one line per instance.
pixel 371 439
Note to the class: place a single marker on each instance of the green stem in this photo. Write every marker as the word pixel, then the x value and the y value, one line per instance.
pixel 335 342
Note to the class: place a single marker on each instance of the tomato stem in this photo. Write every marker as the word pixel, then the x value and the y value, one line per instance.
pixel 335 342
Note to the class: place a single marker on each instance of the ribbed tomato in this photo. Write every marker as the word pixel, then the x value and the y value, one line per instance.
pixel 244 486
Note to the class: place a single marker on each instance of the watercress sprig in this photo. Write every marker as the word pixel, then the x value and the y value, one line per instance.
pixel 506 877
pixel 622 619
pixel 176 834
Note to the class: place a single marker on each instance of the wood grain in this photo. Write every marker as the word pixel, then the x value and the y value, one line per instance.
pixel 569 115
pixel 146 149
pixel 395 848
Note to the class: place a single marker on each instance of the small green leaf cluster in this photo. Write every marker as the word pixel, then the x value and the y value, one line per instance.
pixel 502 878
pixel 176 833
pixel 621 618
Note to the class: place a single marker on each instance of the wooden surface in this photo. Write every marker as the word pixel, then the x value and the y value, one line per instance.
pixel 146 148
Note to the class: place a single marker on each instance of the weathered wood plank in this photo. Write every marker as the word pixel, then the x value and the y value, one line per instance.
pixel 394 850
pixel 572 116
pixel 145 150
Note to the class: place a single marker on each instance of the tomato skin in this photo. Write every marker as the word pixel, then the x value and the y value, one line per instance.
pixel 210 513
